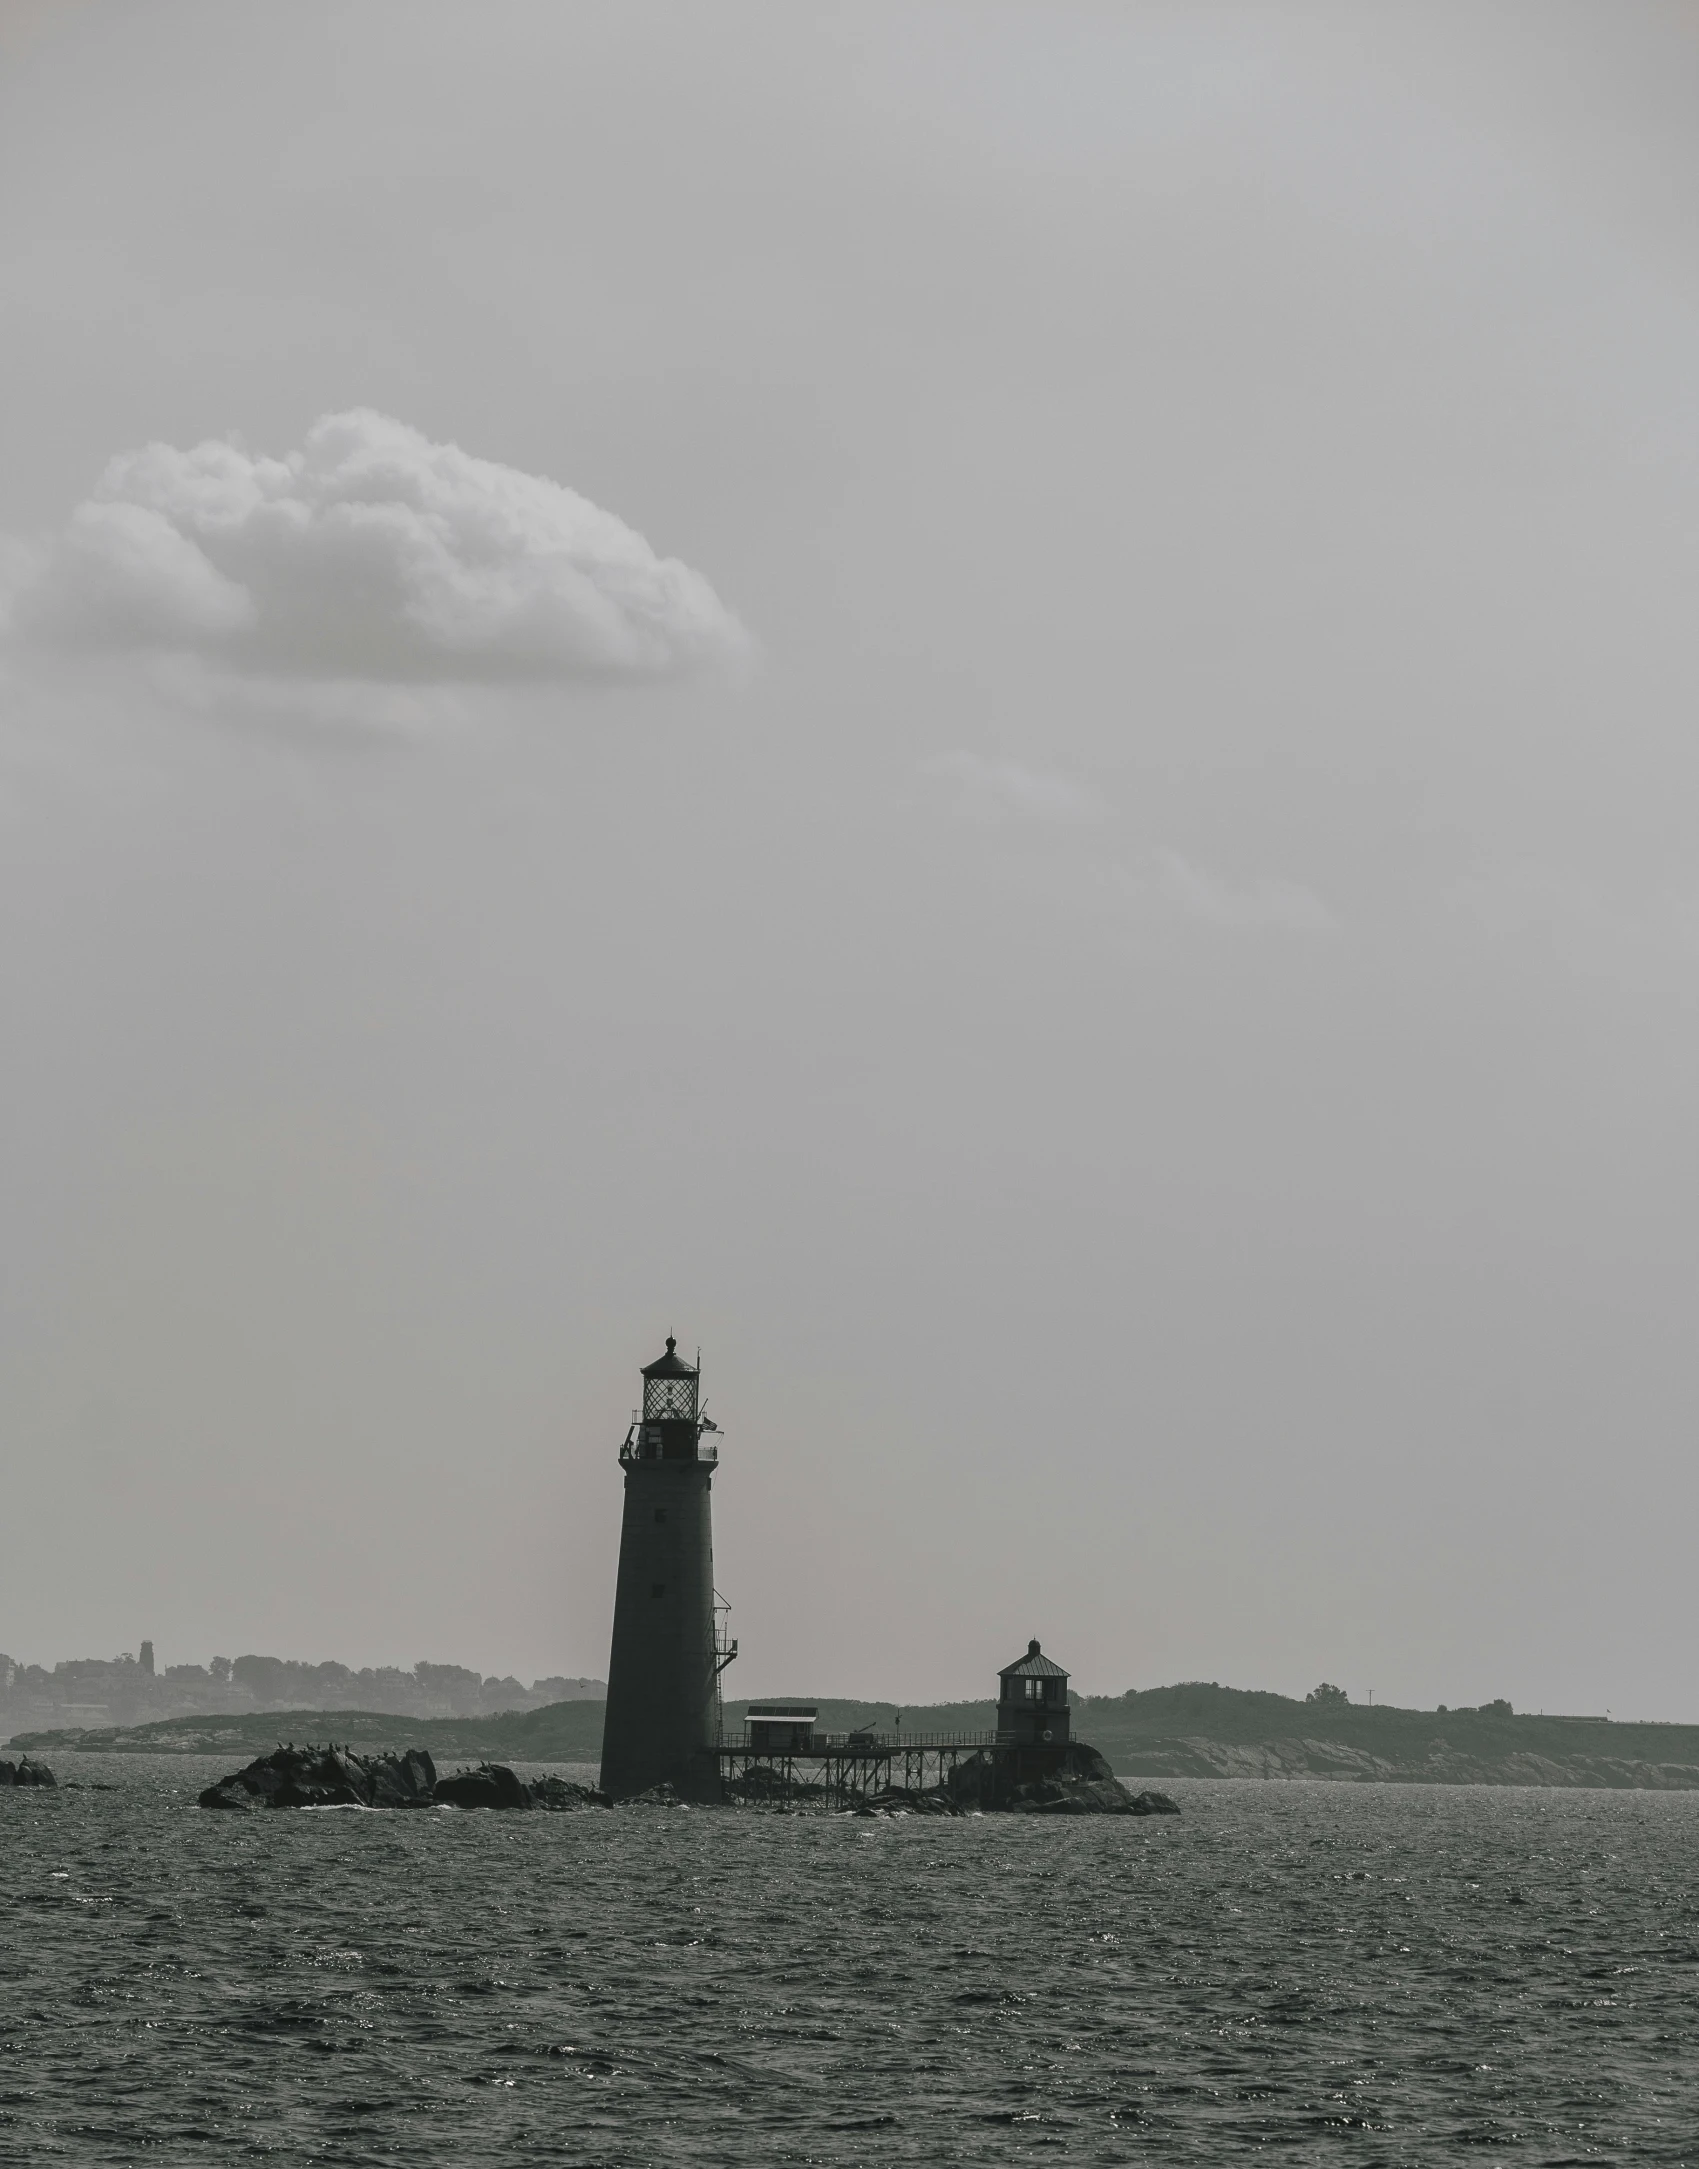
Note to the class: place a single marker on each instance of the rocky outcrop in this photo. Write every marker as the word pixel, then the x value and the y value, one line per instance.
pixel 491 1785
pixel 318 1777
pixel 26 1773
pixel 1074 1780
pixel 909 1800
pixel 761 1785
pixel 558 1793
pixel 494 1785
pixel 1086 1796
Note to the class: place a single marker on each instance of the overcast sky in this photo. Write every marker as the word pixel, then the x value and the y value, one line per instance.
pixel 993 706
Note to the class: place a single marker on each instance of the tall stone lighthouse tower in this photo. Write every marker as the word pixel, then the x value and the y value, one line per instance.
pixel 663 1715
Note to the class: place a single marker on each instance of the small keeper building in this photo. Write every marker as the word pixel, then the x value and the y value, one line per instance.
pixel 1032 1702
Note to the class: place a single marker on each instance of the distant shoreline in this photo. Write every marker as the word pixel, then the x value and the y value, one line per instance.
pixel 120 1693
pixel 1194 1730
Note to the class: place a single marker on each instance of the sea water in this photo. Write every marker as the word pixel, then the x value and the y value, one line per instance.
pixel 1290 1972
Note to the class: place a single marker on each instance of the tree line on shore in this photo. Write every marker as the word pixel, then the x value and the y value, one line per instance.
pixel 131 1689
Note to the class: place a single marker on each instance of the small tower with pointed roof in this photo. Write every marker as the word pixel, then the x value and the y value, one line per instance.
pixel 662 1721
pixel 1032 1701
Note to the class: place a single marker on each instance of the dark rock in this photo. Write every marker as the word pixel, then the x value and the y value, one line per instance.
pixel 1070 1780
pixel 657 1796
pixel 560 1792
pixel 763 1786
pixel 26 1773
pixel 1071 1796
pixel 907 1800
pixel 491 1785
pixel 407 1780
pixel 327 1777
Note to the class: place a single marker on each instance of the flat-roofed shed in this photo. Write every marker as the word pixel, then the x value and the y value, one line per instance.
pixel 782 1728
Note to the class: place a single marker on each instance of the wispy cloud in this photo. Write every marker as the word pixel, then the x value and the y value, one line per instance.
pixel 994 791
pixel 369 553
pixel 1187 891
pixel 1159 884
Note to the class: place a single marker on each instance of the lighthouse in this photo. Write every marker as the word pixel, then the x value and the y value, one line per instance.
pixel 663 1713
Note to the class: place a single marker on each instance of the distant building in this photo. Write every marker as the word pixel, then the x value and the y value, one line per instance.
pixel 1032 1701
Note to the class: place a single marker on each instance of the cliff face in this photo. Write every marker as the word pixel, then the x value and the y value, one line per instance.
pixel 1207 1731
pixel 1444 1763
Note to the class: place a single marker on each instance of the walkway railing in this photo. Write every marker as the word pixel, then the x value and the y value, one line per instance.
pixel 637 1449
pixel 875 1745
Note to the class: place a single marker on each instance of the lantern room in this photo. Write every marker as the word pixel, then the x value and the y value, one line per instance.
pixel 1032 1701
pixel 667 1427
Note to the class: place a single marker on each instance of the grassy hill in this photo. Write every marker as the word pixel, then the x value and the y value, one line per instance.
pixel 1193 1730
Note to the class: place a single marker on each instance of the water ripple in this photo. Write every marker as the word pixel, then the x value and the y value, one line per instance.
pixel 1310 1973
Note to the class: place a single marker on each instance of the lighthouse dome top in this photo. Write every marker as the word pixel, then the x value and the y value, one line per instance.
pixel 1034 1665
pixel 671 1365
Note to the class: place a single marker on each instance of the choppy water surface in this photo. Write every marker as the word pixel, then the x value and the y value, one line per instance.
pixel 1320 1973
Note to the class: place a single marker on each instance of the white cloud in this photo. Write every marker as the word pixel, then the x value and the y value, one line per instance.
pixel 998 790
pixel 1273 906
pixel 372 554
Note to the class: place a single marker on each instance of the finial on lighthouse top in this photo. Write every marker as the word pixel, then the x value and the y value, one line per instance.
pixel 671 1365
pixel 1034 1665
